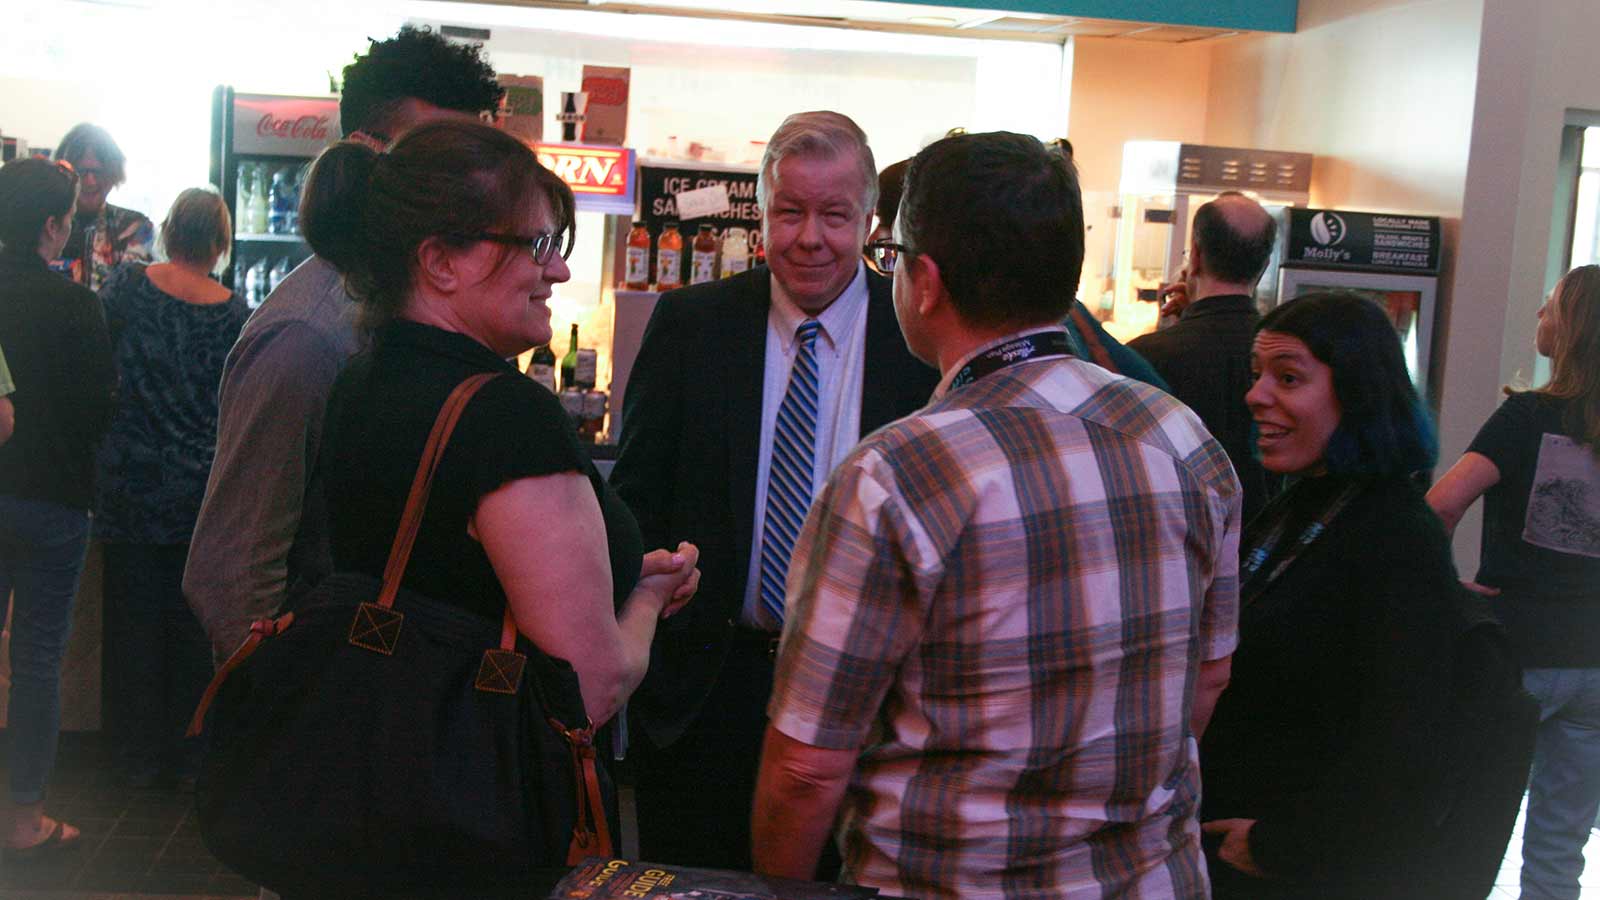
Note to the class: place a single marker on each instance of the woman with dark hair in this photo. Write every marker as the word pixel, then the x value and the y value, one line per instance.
pixel 463 238
pixel 171 327
pixel 103 236
pixel 59 355
pixel 1323 766
pixel 1536 463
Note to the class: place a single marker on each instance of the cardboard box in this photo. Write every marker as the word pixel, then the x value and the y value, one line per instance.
pixel 607 121
pixel 523 107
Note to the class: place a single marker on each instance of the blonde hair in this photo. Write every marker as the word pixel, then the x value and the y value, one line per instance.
pixel 1575 359
pixel 198 228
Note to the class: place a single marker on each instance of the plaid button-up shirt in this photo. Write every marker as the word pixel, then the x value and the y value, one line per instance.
pixel 1003 601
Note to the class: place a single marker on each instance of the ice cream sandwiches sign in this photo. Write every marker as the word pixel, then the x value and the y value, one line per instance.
pixel 284 126
pixel 1342 239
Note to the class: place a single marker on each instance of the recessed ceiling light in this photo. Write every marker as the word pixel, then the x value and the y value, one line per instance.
pixel 933 21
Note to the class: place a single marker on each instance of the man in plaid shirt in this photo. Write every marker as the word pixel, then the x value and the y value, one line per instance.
pixel 1010 614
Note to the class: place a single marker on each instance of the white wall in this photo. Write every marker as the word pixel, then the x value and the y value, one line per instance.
pixel 1537 61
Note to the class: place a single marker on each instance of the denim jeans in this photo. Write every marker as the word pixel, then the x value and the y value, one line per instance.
pixel 1565 792
pixel 157 659
pixel 42 549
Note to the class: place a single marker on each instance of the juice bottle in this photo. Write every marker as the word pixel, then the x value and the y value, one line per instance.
pixel 735 251
pixel 669 258
pixel 637 277
pixel 703 264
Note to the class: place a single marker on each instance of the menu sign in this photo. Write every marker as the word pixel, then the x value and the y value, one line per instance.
pixel 660 188
pixel 1340 239
pixel 284 126
pixel 601 178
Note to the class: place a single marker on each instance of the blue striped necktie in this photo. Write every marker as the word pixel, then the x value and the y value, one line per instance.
pixel 789 479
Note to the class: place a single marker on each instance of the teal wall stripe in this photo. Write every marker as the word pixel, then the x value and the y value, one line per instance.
pixel 1246 15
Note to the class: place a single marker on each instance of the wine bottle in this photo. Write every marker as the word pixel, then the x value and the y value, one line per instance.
pixel 542 368
pixel 569 363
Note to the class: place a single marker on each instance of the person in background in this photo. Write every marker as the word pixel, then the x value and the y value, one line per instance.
pixel 1205 356
pixel 745 393
pixel 891 181
pixel 58 351
pixel 1011 611
pixel 1326 763
pixel 262 528
pixel 465 237
pixel 8 413
pixel 103 236
pixel 171 326
pixel 1535 464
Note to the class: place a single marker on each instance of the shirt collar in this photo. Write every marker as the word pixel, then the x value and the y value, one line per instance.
pixel 837 321
pixel 944 381
pixel 1219 304
pixel 445 343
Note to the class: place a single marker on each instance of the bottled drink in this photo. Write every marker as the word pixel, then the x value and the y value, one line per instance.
pixel 669 258
pixel 255 283
pixel 542 368
pixel 735 251
pixel 638 272
pixel 280 202
pixel 761 250
pixel 241 197
pixel 703 264
pixel 256 207
pixel 280 271
pixel 593 420
pixel 569 363
pixel 584 370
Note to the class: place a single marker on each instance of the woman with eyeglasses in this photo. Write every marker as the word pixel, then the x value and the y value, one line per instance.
pixel 104 236
pixel 460 239
pixel 60 358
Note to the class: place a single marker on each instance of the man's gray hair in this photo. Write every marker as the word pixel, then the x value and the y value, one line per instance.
pixel 821 134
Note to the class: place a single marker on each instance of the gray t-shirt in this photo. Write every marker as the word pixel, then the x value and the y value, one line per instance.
pixel 262 526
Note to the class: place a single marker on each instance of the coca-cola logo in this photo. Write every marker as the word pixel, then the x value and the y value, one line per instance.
pixel 298 128
pixel 606 91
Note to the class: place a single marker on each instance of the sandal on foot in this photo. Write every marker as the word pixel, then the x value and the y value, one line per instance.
pixel 56 840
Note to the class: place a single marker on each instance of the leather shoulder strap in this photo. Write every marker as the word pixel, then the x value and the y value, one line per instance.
pixel 411 519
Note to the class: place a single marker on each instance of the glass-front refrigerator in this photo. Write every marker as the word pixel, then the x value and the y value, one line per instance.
pixel 1390 258
pixel 261 147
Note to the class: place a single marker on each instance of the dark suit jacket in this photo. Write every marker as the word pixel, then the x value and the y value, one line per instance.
pixel 1205 360
pixel 687 464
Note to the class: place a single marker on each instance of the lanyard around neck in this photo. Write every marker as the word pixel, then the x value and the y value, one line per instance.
pixel 1259 555
pixel 1040 345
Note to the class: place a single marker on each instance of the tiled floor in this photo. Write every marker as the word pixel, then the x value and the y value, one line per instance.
pixel 141 842
pixel 145 844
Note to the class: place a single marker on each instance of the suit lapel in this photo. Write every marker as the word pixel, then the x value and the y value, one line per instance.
pixel 745 346
pixel 888 362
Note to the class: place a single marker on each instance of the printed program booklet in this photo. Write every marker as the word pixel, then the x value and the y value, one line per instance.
pixel 620 879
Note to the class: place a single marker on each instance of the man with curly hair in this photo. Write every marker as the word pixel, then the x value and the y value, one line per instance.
pixel 261 531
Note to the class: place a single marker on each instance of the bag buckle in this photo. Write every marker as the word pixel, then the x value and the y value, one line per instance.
pixel 376 628
pixel 500 672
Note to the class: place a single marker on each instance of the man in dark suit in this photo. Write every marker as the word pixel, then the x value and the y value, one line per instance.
pixel 744 395
pixel 1205 356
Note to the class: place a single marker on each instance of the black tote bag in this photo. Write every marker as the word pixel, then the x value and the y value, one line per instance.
pixel 375 742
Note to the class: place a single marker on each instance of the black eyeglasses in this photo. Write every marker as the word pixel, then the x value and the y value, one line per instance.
pixel 885 255
pixel 544 247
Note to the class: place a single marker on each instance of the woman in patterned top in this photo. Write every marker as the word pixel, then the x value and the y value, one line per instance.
pixel 171 327
pixel 103 236
pixel 1534 463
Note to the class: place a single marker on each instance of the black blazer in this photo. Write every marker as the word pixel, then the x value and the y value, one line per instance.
pixel 1205 360
pixel 687 463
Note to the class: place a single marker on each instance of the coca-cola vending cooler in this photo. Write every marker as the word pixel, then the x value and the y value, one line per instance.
pixel 261 147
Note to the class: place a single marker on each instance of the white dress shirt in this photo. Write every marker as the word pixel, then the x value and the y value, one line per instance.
pixel 840 348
